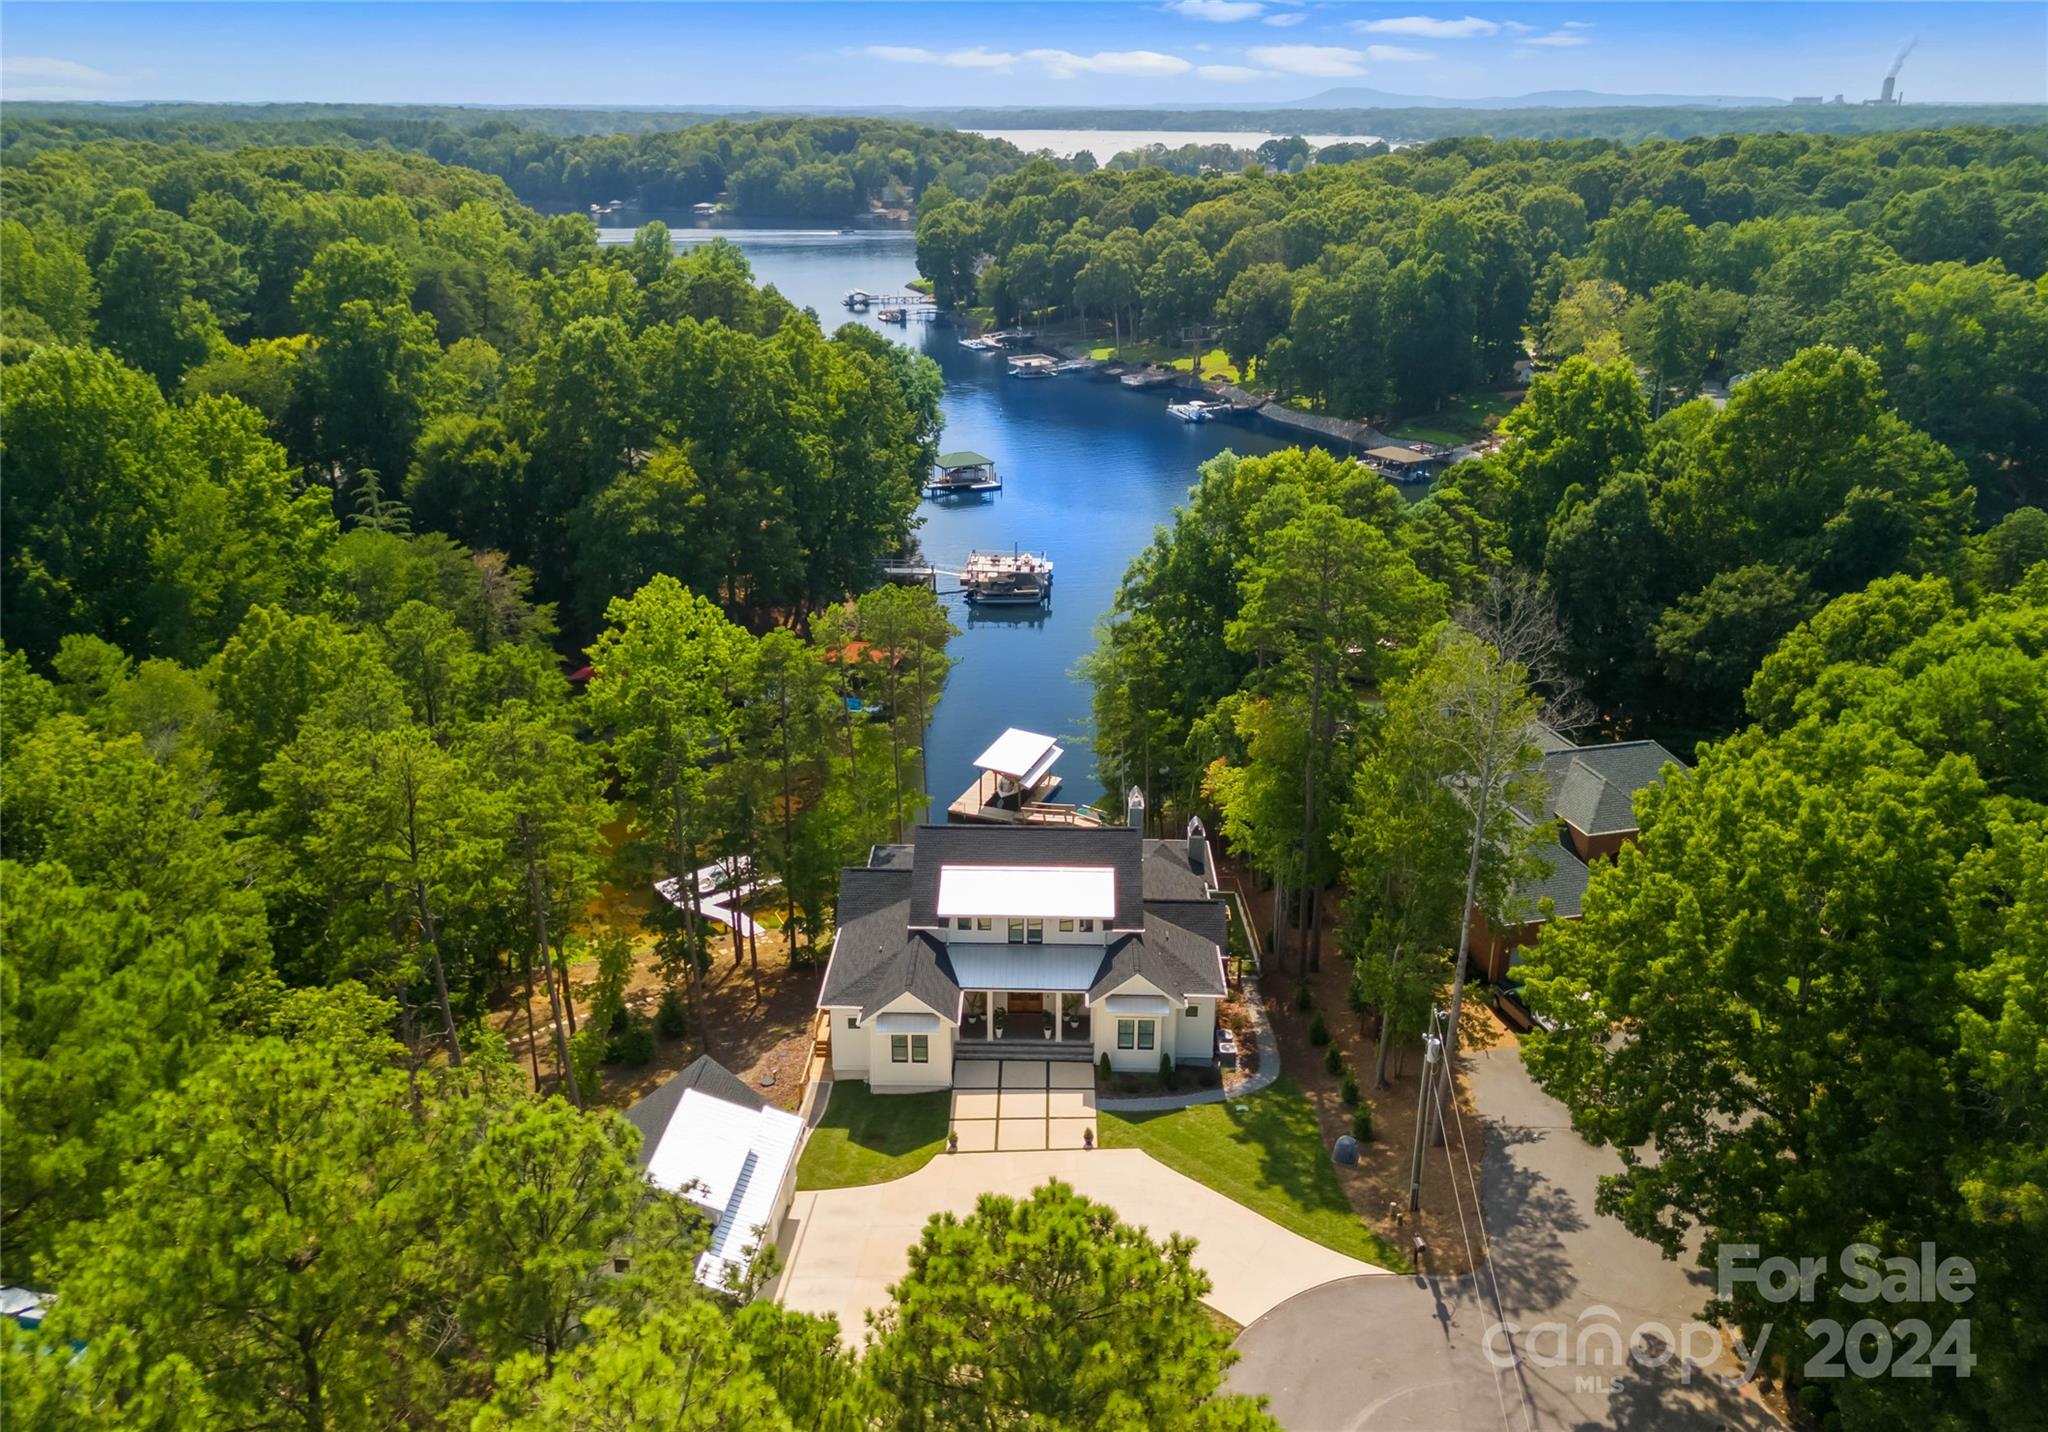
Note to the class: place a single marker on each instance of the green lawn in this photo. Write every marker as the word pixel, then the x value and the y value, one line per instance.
pixel 873 1138
pixel 1270 1158
pixel 1462 420
pixel 1215 363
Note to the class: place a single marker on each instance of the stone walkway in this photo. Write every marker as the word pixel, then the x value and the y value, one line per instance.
pixel 1017 1105
pixel 1269 1070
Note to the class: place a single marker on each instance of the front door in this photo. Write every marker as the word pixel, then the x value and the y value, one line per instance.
pixel 1026 1006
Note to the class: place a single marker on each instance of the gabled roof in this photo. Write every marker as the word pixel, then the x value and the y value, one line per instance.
pixel 651 1115
pixel 1593 788
pixel 1181 951
pixel 1117 847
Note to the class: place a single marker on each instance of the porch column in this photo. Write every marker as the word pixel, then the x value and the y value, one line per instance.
pixel 1058 1034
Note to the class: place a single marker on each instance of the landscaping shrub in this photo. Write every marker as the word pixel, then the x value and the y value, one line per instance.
pixel 1351 1089
pixel 1166 1074
pixel 1102 1070
pixel 632 1045
pixel 1361 1124
pixel 1333 1060
pixel 1302 999
pixel 1318 1032
pixel 670 1020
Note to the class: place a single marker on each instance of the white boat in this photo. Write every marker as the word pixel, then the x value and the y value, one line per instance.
pixel 980 345
pixel 1189 412
pixel 858 298
pixel 1012 579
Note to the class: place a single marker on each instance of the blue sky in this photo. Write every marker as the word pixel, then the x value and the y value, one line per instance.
pixel 888 52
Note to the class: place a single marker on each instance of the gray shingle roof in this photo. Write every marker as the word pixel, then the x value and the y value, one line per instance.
pixel 1594 787
pixel 1180 950
pixel 1167 874
pixel 1175 937
pixel 1118 847
pixel 1564 884
pixel 704 1074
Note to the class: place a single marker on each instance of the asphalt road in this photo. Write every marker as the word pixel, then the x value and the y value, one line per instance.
pixel 1540 1339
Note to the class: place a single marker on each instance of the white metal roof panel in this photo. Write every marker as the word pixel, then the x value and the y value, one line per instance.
pixel 777 1136
pixel 1128 1004
pixel 1027 891
pixel 706 1143
pixel 907 1022
pixel 1016 752
pixel 1068 968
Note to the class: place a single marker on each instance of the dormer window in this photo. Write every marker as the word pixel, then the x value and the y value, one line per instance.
pixel 1087 927
pixel 1034 932
pixel 984 924
pixel 963 923
pixel 1016 932
pixel 1066 927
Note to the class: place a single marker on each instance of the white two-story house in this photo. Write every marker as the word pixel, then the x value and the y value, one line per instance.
pixel 1021 941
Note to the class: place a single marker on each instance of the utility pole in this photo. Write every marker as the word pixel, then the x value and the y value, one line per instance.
pixel 1432 1050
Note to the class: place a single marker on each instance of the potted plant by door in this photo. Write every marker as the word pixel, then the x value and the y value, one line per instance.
pixel 998 1018
pixel 1048 1018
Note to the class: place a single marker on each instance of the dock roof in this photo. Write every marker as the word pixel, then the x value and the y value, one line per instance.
pixel 1017 754
pixel 965 457
pixel 1399 454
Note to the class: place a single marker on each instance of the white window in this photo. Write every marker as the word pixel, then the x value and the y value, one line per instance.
pixel 1124 1030
pixel 963 923
pixel 1193 1009
pixel 983 922
pixel 920 1049
pixel 853 1021
pixel 1066 927
pixel 899 1049
pixel 1016 932
pixel 1144 1034
pixel 1087 927
pixel 1034 932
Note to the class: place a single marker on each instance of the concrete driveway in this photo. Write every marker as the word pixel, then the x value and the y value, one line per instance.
pixel 1412 1352
pixel 845 1246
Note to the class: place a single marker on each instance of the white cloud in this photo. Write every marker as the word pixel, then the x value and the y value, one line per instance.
pixel 1330 62
pixel 1286 18
pixel 1427 27
pixel 1221 12
pixel 977 58
pixel 1558 40
pixel 1396 54
pixel 1578 25
pixel 1231 73
pixel 1516 27
pixel 45 77
pixel 1065 64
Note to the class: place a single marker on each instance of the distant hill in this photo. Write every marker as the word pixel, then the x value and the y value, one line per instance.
pixel 1359 97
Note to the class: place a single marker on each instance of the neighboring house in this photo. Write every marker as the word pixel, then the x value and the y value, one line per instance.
pixel 1049 941
pixel 707 1136
pixel 1590 792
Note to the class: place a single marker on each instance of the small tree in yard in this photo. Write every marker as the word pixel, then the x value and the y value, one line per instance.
pixel 1049 1312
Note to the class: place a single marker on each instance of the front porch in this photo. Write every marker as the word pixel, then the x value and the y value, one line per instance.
pixel 1053 1024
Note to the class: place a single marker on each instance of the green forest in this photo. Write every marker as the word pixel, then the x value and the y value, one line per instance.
pixel 394 576
pixel 1826 592
pixel 808 168
pixel 1379 289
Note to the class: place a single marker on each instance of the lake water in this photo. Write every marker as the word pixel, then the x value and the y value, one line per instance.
pixel 1089 471
pixel 1103 143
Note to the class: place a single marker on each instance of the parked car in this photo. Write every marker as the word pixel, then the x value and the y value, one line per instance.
pixel 1514 1010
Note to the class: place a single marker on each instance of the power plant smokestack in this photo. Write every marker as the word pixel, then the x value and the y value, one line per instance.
pixel 1889 93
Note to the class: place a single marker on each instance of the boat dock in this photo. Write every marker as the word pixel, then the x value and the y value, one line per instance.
pixel 1014 784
